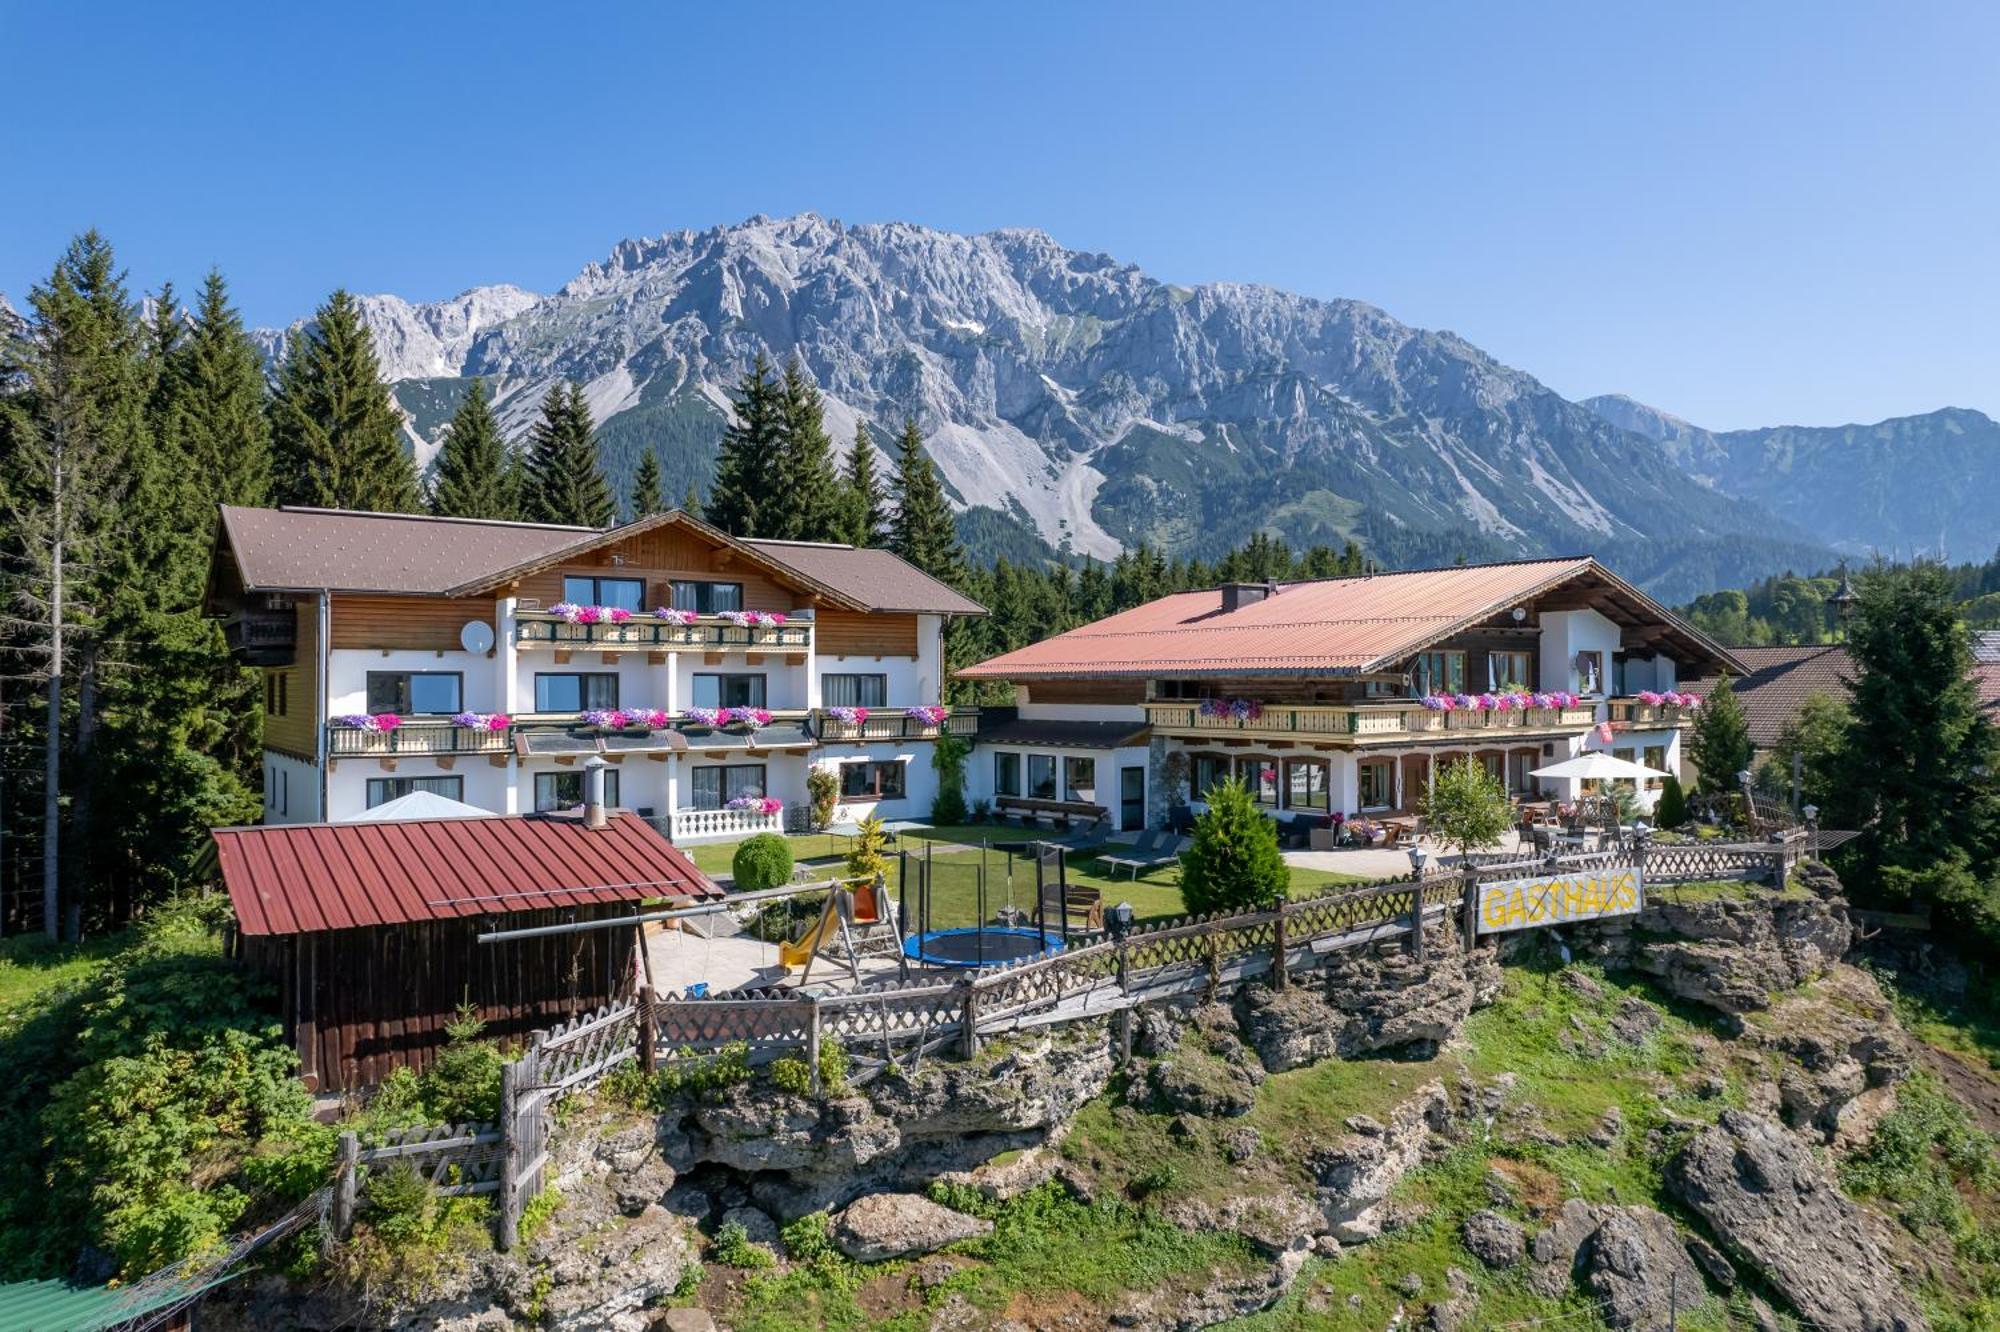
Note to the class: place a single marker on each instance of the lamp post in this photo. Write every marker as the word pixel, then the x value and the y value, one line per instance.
pixel 1843 601
pixel 1811 813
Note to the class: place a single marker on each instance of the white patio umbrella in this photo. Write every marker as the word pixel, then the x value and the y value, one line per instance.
pixel 1596 765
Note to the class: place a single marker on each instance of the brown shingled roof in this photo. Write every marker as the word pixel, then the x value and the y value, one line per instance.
pixel 1777 682
pixel 352 551
pixel 289 549
pixel 1331 626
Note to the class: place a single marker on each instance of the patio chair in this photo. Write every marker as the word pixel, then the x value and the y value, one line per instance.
pixel 1164 850
pixel 1144 848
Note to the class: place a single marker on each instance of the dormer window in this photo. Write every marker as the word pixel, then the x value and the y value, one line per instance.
pixel 613 593
pixel 706 598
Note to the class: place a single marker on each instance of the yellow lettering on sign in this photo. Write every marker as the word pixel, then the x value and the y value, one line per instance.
pixel 1519 903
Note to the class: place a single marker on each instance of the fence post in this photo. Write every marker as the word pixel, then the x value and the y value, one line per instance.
pixel 1125 996
pixel 347 1186
pixel 969 1018
pixel 1470 924
pixel 1416 939
pixel 510 1153
pixel 649 1032
pixel 812 1040
pixel 1278 978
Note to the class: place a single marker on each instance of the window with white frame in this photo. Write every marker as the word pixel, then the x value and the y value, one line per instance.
pixel 381 790
pixel 873 779
pixel 715 785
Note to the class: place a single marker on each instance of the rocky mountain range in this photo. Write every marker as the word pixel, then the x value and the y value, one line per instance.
pixel 1074 402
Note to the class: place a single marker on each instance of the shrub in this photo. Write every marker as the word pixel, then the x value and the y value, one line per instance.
pixel 865 858
pixel 822 794
pixel 1234 862
pixel 948 753
pixel 733 1246
pixel 833 1066
pixel 463 1084
pixel 792 1075
pixel 1672 810
pixel 763 861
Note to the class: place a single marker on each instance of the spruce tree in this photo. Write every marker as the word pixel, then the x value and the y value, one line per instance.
pixel 1720 745
pixel 745 468
pixel 805 502
pixel 218 413
pixel 336 437
pixel 648 485
pixel 472 464
pixel 565 484
pixel 1233 862
pixel 691 502
pixel 923 532
pixel 867 500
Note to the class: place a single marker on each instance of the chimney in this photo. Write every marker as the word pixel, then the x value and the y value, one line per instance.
pixel 594 815
pixel 1235 596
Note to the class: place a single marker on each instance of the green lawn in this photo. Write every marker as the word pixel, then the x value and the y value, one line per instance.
pixel 31 966
pixel 958 864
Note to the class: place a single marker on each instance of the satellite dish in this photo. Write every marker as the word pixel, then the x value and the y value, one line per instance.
pixel 476 636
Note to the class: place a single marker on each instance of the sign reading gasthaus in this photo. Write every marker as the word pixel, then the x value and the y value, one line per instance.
pixel 1519 904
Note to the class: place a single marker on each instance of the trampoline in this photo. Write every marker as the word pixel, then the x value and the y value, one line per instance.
pixel 981 945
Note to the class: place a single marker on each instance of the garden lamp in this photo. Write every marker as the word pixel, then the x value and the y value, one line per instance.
pixel 1811 812
pixel 1418 856
pixel 1118 920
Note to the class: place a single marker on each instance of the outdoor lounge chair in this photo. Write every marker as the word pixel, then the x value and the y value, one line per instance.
pixel 1164 850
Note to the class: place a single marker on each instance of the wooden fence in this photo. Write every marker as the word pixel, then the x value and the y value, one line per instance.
pixel 904 1021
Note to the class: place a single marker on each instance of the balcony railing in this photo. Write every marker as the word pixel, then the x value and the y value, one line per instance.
pixel 893 724
pixel 693 825
pixel 1633 712
pixel 710 633
pixel 415 736
pixel 1366 721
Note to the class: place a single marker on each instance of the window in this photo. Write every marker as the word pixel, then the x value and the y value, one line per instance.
pixel 707 598
pixel 1509 668
pixel 415 691
pixel 1440 672
pixel 1182 690
pixel 1042 776
pixel 1495 766
pixel 1259 776
pixel 621 593
pixel 854 691
pixel 564 790
pixel 1656 759
pixel 1378 784
pixel 284 704
pixel 715 786
pixel 1006 774
pixel 1305 784
pixel 381 790
pixel 1080 779
pixel 1589 669
pixel 729 691
pixel 1209 770
pixel 872 780
pixel 575 691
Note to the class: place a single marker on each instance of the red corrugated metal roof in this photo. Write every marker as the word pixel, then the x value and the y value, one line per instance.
pixel 1333 625
pixel 296 879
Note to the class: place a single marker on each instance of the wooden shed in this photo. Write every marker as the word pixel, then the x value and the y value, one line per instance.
pixel 371 929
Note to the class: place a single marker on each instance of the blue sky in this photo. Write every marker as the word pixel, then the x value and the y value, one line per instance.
pixel 1744 213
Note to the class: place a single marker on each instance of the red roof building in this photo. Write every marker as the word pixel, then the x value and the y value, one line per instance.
pixel 370 931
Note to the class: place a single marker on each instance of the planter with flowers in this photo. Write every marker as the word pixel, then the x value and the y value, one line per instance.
pixel 481 721
pixel 929 717
pixel 622 721
pixel 765 805
pixel 593 624
pixel 844 721
pixel 1231 709
pixel 745 719
pixel 363 733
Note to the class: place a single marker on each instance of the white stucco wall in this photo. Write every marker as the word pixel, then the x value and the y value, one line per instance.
pixel 291 789
pixel 347 782
pixel 1566 633
pixel 347 672
pixel 920 779
pixel 979 783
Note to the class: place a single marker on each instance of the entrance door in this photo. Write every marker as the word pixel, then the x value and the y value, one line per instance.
pixel 1131 799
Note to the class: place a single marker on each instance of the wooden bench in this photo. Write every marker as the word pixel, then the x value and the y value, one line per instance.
pixel 1057 813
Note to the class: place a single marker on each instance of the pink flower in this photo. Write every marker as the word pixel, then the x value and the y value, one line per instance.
pixel 617 615
pixel 588 614
pixel 387 721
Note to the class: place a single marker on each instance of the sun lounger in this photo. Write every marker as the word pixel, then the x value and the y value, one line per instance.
pixel 1151 851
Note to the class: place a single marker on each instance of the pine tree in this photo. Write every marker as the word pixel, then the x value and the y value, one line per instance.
pixel 805 499
pixel 1720 746
pixel 745 469
pixel 691 502
pixel 923 532
pixel 472 464
pixel 867 500
pixel 218 415
pixel 648 485
pixel 565 482
pixel 1233 862
pixel 336 438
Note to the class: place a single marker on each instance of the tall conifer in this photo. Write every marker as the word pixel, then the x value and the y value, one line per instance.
pixel 867 500
pixel 691 502
pixel 745 469
pixel 806 502
pixel 218 413
pixel 471 465
pixel 648 485
pixel 923 532
pixel 336 437
pixel 565 484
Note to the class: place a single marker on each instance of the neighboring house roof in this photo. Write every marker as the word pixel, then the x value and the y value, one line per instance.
pixel 58 1306
pixel 1004 726
pixel 1333 626
pixel 347 550
pixel 1986 679
pixel 302 878
pixel 1986 645
pixel 1777 681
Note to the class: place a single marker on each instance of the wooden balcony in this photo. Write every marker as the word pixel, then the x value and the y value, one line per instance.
pixel 262 638
pixel 1631 712
pixel 540 630
pixel 415 737
pixel 1368 723
pixel 892 724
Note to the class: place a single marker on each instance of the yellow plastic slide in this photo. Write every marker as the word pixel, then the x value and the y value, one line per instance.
pixel 795 954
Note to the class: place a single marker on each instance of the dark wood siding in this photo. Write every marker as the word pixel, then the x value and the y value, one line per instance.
pixel 1087 691
pixel 850 634
pixel 359 1003
pixel 404 622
